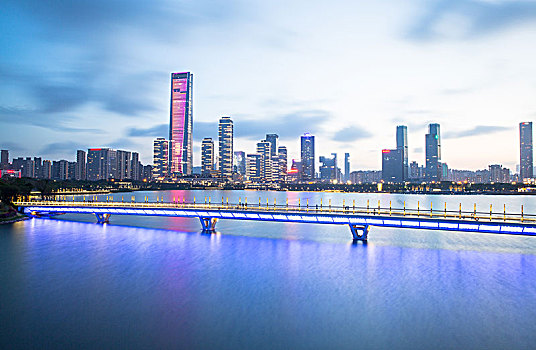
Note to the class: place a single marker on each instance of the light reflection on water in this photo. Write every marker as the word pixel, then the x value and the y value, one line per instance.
pixel 149 282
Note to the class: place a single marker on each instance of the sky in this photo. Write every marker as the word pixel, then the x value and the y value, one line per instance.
pixel 96 73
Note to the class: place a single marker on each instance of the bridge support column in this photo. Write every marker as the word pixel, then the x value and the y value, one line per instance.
pixel 103 218
pixel 359 232
pixel 209 224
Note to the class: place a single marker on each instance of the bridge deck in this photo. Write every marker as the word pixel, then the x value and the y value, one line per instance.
pixel 357 217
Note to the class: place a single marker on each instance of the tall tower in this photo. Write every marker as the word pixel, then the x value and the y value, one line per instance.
pixel 80 170
pixel 282 160
pixel 433 154
pixel 308 156
pixel 180 125
pixel 225 143
pixel 207 156
pixel 160 158
pixel 525 150
pixel 346 166
pixel 272 138
pixel 264 149
pixel 402 145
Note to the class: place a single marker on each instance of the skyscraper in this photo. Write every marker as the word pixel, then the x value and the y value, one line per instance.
pixel 433 154
pixel 253 167
pixel 346 166
pixel 392 165
pixel 282 159
pixel 308 156
pixel 272 138
pixel 225 143
pixel 263 149
pixel 160 158
pixel 328 167
pixel 4 159
pixel 100 164
pixel 402 144
pixel 181 123
pixel 207 156
pixel 124 163
pixel 80 170
pixel 525 150
pixel 135 167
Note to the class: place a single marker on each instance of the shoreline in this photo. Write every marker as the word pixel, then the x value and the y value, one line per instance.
pixel 11 220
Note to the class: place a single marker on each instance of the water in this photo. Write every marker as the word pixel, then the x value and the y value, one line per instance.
pixel 153 282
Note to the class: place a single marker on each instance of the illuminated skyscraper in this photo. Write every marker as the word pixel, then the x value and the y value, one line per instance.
pixel 225 143
pixel 346 167
pixel 402 144
pixel 181 122
pixel 525 150
pixel 263 148
pixel 80 170
pixel 282 159
pixel 392 165
pixel 240 162
pixel 433 154
pixel 160 158
pixel 308 156
pixel 207 156
pixel 99 164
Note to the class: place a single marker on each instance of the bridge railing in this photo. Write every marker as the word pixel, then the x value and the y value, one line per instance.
pixel 431 213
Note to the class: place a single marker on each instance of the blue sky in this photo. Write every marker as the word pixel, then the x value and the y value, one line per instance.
pixel 79 74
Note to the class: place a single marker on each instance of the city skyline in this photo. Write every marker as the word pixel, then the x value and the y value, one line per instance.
pixel 421 64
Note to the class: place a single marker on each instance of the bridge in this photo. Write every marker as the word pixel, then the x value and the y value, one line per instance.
pixel 358 218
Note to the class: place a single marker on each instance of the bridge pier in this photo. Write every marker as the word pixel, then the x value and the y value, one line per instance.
pixel 359 232
pixel 209 224
pixel 103 218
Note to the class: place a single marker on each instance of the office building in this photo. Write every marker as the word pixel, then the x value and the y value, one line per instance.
pixel 346 167
pixel 135 167
pixel 4 159
pixel 225 144
pixel 207 157
pixel 160 159
pixel 402 145
pixel 525 151
pixel 181 122
pixel 308 157
pixel 264 150
pixel 80 170
pixel 433 154
pixel 60 170
pixel 328 167
pixel 253 167
pixel 124 165
pixel 26 166
pixel 38 167
pixel 392 165
pixel 239 162
pixel 282 162
pixel 46 169
pixel 272 138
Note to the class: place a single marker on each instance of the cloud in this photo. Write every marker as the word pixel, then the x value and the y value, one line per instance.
pixel 351 133
pixel 418 150
pixel 287 126
pixel 469 18
pixel 477 130
pixel 160 130
pixel 61 149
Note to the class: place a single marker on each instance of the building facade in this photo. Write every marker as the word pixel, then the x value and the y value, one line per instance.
pixel 525 151
pixel 181 124
pixel 160 159
pixel 307 157
pixel 225 145
pixel 80 170
pixel 434 168
pixel 207 157
pixel 402 145
pixel 392 165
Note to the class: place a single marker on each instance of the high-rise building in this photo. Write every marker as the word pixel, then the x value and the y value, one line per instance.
pixel 282 159
pixel 402 144
pixel 392 165
pixel 147 173
pixel 135 167
pixel 181 123
pixel 272 138
pixel 46 169
pixel 346 167
pixel 60 169
pixel 414 171
pixel 160 159
pixel 38 167
pixel 433 154
pixel 525 150
pixel 328 167
pixel 240 162
pixel 264 150
pixel 26 166
pixel 4 159
pixel 71 170
pixel 253 167
pixel 124 164
pixel 308 157
pixel 207 157
pixel 100 164
pixel 225 143
pixel 80 171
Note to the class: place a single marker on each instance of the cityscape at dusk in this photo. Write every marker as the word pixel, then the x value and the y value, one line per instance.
pixel 205 174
